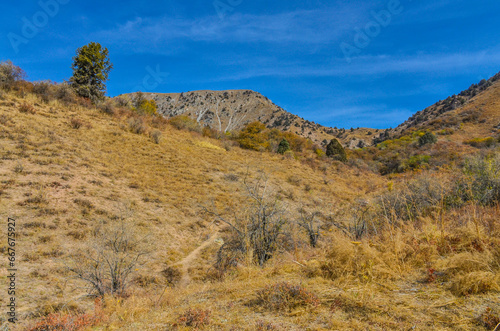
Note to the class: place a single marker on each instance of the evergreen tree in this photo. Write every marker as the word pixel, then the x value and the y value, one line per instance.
pixel 91 67
pixel 336 151
pixel 427 138
pixel 283 147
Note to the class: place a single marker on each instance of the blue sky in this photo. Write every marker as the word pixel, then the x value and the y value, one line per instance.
pixel 338 63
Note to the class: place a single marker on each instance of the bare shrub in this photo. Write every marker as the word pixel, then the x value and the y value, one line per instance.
pixel 122 102
pixel 312 227
pixel 10 74
pixel 46 90
pixel 65 93
pixel 136 125
pixel 107 107
pixel 76 123
pixel 257 230
pixel 286 296
pixel 156 136
pixel 108 259
pixel 27 108
pixel 195 318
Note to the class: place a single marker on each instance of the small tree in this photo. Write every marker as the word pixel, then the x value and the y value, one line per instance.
pixel 91 67
pixel 427 138
pixel 336 151
pixel 283 147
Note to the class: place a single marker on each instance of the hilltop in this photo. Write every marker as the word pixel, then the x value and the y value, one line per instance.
pixel 232 110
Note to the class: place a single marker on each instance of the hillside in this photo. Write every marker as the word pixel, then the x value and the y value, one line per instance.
pixel 232 110
pixel 474 111
pixel 233 239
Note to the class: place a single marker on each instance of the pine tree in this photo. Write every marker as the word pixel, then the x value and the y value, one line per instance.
pixel 91 67
pixel 336 151
pixel 283 147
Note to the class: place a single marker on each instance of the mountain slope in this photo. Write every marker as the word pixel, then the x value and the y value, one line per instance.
pixel 474 110
pixel 233 109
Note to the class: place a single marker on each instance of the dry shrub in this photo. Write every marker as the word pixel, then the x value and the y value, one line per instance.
pixel 286 296
pixel 65 93
pixel 183 122
pixel 474 283
pixel 156 136
pixel 353 259
pixel 122 101
pixel 172 275
pixel 69 321
pixel 107 107
pixel 137 125
pixel 27 108
pixel 194 317
pixel 111 255
pixel 267 326
pixel 76 123
pixel 145 280
pixel 467 262
pixel 489 319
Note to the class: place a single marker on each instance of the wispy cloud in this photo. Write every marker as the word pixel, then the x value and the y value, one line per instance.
pixel 375 65
pixel 299 26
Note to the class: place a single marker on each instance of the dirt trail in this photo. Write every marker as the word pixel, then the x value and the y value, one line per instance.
pixel 188 260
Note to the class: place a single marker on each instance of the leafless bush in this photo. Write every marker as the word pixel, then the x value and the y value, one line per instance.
pixel 27 108
pixel 76 123
pixel 107 107
pixel 10 74
pixel 414 199
pixel 136 125
pixel 156 136
pixel 108 259
pixel 257 230
pixel 312 227
pixel 46 90
pixel 122 102
pixel 65 93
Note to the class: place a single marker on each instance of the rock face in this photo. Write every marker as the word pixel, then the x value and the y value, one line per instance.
pixel 233 109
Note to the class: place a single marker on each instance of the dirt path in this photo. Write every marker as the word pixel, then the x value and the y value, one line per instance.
pixel 188 260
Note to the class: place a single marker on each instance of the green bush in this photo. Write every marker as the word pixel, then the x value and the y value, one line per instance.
pixel 427 139
pixel 416 162
pixel 283 147
pixel 336 151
